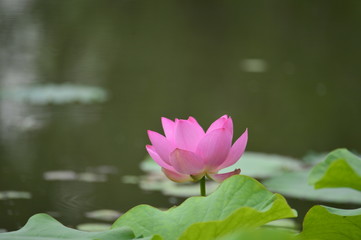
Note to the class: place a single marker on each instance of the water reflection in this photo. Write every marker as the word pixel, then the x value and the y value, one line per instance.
pixel 288 71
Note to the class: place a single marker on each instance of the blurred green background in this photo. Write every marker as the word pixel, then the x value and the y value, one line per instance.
pixel 289 71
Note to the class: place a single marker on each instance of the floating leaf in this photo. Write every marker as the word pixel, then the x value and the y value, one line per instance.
pixel 294 184
pixel 42 226
pixel 312 158
pixel 324 223
pixel 68 175
pixel 103 214
pixel 341 168
pixel 283 223
pixel 262 165
pixel 254 65
pixel 56 94
pixel 93 227
pixel 240 201
pixel 149 165
pixel 4 195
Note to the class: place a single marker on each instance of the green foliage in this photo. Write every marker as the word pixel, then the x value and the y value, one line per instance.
pixel 257 234
pixel 42 226
pixel 294 184
pixel 239 202
pixel 240 208
pixel 325 223
pixel 340 169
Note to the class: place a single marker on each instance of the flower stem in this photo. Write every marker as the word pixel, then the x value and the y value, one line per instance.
pixel 202 183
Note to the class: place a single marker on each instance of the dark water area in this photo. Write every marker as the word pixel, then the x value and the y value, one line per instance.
pixel 288 71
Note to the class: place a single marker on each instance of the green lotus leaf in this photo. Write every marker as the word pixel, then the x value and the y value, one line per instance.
pixel 295 185
pixel 341 168
pixel 42 226
pixel 325 223
pixel 257 234
pixel 239 202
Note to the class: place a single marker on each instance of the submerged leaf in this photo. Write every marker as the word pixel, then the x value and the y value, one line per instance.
pixel 239 202
pixel 294 184
pixel 324 223
pixel 341 168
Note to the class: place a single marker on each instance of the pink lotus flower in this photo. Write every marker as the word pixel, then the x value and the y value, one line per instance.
pixel 187 153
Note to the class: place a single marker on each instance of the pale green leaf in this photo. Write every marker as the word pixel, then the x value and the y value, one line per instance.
pixel 341 168
pixel 103 214
pixel 93 227
pixel 295 185
pixel 240 201
pixel 265 165
pixel 42 226
pixel 326 223
pixel 257 234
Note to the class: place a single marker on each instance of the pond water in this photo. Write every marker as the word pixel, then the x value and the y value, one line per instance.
pixel 81 82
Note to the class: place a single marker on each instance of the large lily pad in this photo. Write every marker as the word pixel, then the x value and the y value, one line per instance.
pixel 42 226
pixel 239 202
pixel 324 223
pixel 341 168
pixel 295 185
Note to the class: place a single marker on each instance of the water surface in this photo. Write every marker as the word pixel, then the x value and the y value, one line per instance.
pixel 288 71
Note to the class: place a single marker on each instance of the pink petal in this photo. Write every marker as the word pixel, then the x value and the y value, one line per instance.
pixel 218 123
pixel 222 176
pixel 236 151
pixel 214 148
pixel 193 120
pixel 177 177
pixel 161 145
pixel 228 124
pixel 168 127
pixel 186 162
pixel 154 155
pixel 187 134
